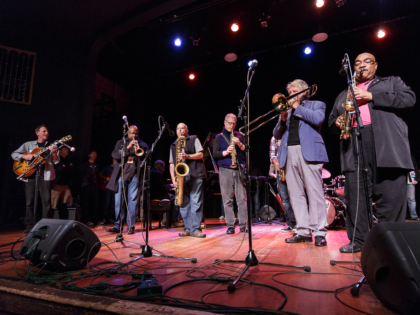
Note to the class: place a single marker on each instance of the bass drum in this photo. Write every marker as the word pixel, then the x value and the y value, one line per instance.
pixel 336 213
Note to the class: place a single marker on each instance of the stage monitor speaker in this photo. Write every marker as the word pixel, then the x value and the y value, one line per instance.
pixel 391 263
pixel 267 213
pixel 63 245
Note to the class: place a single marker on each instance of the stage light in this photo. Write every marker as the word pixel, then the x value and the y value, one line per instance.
pixel 250 63
pixel 231 57
pixel 191 76
pixel 234 27
pixel 320 3
pixel 178 42
pixel 381 34
pixel 307 50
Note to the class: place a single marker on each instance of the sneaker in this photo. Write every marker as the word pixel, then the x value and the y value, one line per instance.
pixel 176 224
pixel 130 231
pixel 230 230
pixel 185 233
pixel 198 234
pixel 221 218
pixel 287 230
pixel 243 229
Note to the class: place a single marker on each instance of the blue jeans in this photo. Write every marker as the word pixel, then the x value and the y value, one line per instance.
pixel 192 208
pixel 284 195
pixel 131 191
pixel 411 200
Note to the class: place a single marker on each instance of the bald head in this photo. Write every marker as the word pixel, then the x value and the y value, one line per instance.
pixel 366 63
pixel 181 130
pixel 133 132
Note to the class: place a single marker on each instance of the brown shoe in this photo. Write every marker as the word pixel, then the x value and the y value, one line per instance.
pixel 176 224
pixel 185 233
pixel 198 234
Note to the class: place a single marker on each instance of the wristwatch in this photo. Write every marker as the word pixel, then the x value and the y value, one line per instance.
pixel 188 156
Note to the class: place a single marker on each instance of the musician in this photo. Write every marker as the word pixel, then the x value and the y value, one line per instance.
pixel 89 193
pixel 132 176
pixel 302 153
pixel 107 196
pixel 385 147
pixel 47 174
pixel 282 187
pixel 229 178
pixel 61 191
pixel 192 207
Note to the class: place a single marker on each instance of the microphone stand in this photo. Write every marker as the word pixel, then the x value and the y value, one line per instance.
pixel 147 250
pixel 360 156
pixel 120 237
pixel 250 259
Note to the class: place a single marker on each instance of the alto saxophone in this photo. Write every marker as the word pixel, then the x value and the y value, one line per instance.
pixel 346 122
pixel 181 170
pixel 233 153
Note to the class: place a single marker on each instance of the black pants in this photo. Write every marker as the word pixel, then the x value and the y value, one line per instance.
pixel 90 205
pixel 45 194
pixel 387 188
pixel 107 201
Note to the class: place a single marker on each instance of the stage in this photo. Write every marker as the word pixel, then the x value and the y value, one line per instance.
pixel 18 297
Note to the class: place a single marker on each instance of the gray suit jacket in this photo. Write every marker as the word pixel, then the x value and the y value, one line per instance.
pixel 27 147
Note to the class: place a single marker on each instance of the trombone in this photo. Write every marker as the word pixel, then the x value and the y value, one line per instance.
pixel 280 105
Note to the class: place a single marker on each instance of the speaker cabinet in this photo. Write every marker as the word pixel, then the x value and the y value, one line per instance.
pixel 63 245
pixel 391 263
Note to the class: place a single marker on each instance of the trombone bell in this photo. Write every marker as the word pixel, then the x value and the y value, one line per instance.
pixel 279 102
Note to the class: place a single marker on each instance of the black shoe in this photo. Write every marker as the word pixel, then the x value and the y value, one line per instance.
pixel 299 239
pixel 350 248
pixel 130 231
pixel 243 229
pixel 230 230
pixel 287 230
pixel 320 241
pixel 113 230
pixel 414 219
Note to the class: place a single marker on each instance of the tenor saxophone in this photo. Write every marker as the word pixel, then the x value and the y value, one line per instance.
pixel 233 153
pixel 181 170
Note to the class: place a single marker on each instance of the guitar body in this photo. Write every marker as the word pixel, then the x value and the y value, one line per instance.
pixel 22 166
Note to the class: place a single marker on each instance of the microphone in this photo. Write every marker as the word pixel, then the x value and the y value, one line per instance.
pixel 125 120
pixel 171 133
pixel 72 149
pixel 253 64
pixel 344 66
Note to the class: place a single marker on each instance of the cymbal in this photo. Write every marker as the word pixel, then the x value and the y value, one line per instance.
pixel 325 174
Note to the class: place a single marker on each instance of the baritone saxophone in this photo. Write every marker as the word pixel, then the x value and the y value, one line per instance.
pixel 181 170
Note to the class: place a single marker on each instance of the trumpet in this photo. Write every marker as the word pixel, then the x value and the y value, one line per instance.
pixel 280 104
pixel 137 150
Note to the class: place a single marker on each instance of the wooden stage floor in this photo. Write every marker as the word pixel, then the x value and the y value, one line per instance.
pixel 269 246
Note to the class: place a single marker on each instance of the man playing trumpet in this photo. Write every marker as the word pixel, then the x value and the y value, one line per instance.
pixel 302 153
pixel 132 176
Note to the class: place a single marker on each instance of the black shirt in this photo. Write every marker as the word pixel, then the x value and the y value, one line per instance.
pixel 89 174
pixel 293 130
pixel 63 171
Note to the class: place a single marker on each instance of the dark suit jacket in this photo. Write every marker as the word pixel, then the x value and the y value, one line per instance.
pixel 312 114
pixel 113 182
pixel 390 97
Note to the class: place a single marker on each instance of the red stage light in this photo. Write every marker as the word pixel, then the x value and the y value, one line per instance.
pixel 191 76
pixel 320 3
pixel 234 27
pixel 381 34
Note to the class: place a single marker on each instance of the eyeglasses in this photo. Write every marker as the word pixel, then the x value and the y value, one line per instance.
pixel 366 61
pixel 230 123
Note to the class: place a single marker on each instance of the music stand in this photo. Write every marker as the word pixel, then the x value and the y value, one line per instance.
pixel 250 259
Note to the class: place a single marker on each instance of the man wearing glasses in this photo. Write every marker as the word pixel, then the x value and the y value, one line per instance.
pixel 192 207
pixel 229 178
pixel 385 147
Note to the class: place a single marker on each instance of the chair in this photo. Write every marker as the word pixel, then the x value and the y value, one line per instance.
pixel 160 207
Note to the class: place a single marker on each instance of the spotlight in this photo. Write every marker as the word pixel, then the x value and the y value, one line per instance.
pixel 177 42
pixel 319 3
pixel 231 57
pixel 191 76
pixel 307 50
pixel 234 27
pixel 381 34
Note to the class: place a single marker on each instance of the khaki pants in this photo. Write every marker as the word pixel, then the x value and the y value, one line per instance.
pixel 60 192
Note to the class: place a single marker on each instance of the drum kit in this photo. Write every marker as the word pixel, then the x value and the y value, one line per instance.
pixel 334 200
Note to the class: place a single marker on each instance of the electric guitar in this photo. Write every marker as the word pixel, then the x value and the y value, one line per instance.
pixel 22 166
